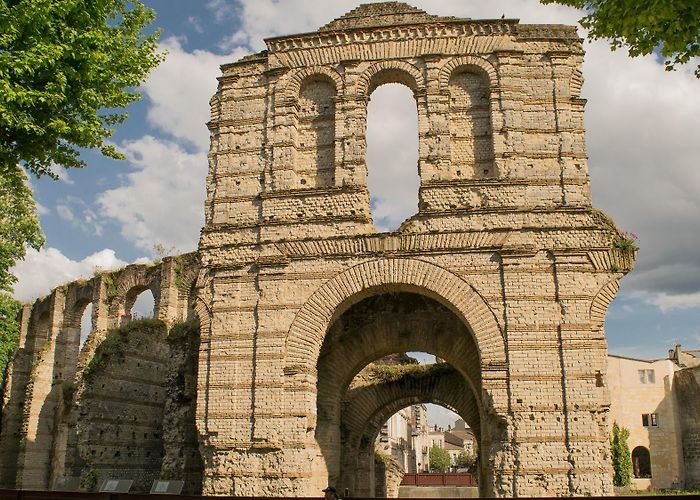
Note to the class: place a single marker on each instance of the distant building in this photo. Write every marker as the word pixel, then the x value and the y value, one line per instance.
pixel 405 438
pixel 456 439
pixel 659 402
pixel 684 359
pixel 643 401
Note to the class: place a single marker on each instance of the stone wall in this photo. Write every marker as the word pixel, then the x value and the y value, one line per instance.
pixel 687 385
pixel 505 240
pixel 55 425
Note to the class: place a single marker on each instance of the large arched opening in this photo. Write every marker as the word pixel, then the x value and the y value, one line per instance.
pixel 350 414
pixel 378 393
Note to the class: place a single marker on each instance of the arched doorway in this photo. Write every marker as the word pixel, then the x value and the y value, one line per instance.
pixel 351 415
pixel 376 394
pixel 380 307
pixel 641 462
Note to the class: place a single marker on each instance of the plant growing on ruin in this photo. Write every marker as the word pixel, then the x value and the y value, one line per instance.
pixel 394 373
pixel 626 241
pixel 67 392
pixel 620 454
pixel 110 286
pixel 89 480
pixel 115 343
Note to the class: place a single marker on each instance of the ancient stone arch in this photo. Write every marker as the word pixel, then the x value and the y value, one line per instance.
pixel 505 248
pixel 389 72
pixel 369 404
pixel 349 287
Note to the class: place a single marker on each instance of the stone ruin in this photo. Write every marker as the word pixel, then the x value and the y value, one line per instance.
pixel 505 272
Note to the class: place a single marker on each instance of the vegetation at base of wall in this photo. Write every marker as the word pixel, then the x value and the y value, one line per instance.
pixel 620 454
pixel 9 332
pixel 394 373
pixel 654 493
pixel 115 341
pixel 89 480
pixel 439 459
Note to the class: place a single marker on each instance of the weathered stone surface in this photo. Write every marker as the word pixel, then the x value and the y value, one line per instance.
pixel 505 272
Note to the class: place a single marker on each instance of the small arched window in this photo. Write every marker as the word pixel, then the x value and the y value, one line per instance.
pixel 641 462
pixel 470 124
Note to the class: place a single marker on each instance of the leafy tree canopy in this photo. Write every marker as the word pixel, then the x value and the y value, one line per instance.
pixel 9 331
pixel 439 459
pixel 19 225
pixel 466 460
pixel 67 69
pixel 670 26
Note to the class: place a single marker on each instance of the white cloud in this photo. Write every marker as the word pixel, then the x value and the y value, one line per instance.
pixel 667 302
pixel 63 175
pixel 179 90
pixel 87 220
pixel 162 200
pixel 266 18
pixel 641 124
pixel 43 270
pixel 221 9
pixel 440 416
pixel 64 212
pixel 41 209
pixel 196 23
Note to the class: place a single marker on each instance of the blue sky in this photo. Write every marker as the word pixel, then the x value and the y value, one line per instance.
pixel 642 136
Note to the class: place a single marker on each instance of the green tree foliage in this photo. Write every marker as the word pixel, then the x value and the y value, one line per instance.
pixel 67 70
pixel 621 459
pixel 9 331
pixel 670 26
pixel 439 459
pixel 19 225
pixel 466 460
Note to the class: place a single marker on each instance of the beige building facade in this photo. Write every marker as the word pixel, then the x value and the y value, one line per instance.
pixel 505 272
pixel 644 401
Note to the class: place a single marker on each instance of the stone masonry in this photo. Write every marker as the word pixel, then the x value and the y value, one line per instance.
pixel 505 272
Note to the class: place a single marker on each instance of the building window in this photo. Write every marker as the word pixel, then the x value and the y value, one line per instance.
pixel 650 419
pixel 641 462
pixel 647 376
